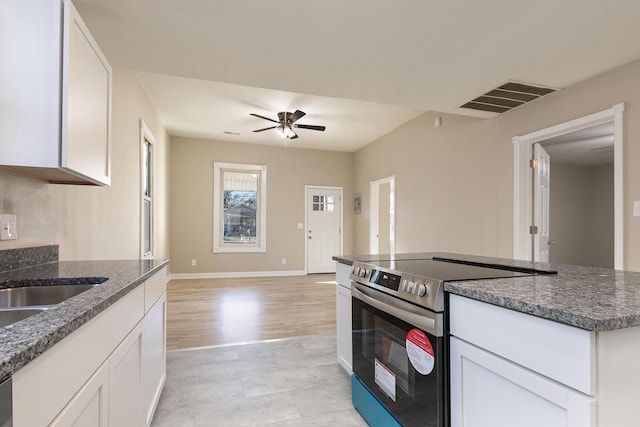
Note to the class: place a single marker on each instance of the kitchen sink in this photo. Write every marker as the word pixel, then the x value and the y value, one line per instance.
pixel 37 296
pixel 9 316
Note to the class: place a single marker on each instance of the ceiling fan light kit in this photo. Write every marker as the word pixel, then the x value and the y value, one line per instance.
pixel 286 122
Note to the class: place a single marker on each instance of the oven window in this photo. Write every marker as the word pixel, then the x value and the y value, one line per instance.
pixel 381 362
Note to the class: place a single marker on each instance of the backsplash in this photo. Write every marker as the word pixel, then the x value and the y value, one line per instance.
pixel 12 259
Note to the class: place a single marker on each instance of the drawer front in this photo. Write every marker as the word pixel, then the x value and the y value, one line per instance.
pixel 154 287
pixel 560 352
pixel 342 274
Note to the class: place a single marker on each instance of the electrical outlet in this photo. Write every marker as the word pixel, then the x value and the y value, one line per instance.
pixel 8 227
pixel 193 263
pixel 636 208
pixel 284 261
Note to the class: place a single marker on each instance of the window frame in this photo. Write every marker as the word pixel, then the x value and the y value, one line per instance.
pixel 147 138
pixel 219 246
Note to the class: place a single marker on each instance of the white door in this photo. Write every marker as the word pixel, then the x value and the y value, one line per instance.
pixel 382 216
pixel 324 234
pixel 541 184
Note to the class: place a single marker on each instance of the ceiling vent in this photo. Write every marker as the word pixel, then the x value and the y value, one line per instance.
pixel 507 97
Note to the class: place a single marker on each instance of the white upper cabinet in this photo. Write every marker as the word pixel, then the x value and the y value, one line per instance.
pixel 55 95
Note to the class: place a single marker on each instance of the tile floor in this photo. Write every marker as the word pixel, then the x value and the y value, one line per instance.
pixel 282 383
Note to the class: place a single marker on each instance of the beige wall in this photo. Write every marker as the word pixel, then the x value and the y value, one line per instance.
pixel 288 171
pixel 96 222
pixel 454 184
pixel 445 178
pixel 581 215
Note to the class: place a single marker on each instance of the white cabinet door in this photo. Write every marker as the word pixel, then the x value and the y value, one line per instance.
pixel 86 102
pixel 343 327
pixel 58 84
pixel 124 381
pixel 153 359
pixel 487 390
pixel 88 408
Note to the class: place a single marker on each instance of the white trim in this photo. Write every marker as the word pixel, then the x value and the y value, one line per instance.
pixel 522 198
pixel 261 223
pixel 374 201
pixel 147 135
pixel 618 186
pixel 306 216
pixel 236 274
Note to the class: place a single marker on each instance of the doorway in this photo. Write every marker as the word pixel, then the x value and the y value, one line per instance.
pixel 382 233
pixel 323 234
pixel 581 197
pixel 589 130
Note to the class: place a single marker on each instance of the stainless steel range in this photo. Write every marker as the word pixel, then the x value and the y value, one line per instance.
pixel 400 337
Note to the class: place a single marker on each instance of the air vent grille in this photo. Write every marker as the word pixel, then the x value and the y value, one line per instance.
pixel 508 96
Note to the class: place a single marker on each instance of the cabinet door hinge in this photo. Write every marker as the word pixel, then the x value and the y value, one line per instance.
pixel 533 163
pixel 533 229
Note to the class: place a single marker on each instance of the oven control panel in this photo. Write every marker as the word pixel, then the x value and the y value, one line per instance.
pixel 388 280
pixel 413 288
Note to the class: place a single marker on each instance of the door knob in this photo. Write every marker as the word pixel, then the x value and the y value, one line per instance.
pixel 552 242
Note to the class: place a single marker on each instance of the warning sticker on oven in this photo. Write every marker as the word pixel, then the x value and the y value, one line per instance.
pixel 420 351
pixel 385 379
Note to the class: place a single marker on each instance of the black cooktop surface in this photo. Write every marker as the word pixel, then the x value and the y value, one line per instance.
pixel 447 271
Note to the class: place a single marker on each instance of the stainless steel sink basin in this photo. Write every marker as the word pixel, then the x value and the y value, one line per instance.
pixel 37 296
pixel 8 317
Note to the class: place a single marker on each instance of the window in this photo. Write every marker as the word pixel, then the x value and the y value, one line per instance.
pixel 148 169
pixel 239 207
pixel 324 203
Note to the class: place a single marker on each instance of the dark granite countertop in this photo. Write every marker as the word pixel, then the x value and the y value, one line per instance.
pixel 25 340
pixel 595 299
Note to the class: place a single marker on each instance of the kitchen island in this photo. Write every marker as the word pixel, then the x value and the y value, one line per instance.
pixel 553 349
pixel 56 355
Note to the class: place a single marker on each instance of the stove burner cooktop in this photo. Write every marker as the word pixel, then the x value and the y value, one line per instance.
pixel 421 281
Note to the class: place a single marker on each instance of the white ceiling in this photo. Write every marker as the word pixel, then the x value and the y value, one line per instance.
pixel 397 59
pixel 206 109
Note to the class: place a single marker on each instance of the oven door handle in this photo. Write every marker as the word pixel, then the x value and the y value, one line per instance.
pixel 423 319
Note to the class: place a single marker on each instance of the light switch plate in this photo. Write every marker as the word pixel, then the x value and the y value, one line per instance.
pixel 636 208
pixel 8 227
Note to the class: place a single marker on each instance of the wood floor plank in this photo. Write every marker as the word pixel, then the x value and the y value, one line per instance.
pixel 209 312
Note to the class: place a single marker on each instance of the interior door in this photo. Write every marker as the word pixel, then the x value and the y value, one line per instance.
pixel 382 216
pixel 541 184
pixel 324 215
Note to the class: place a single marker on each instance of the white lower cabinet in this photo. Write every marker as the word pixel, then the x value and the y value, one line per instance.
pixel 124 381
pixel 89 407
pixel 154 366
pixel 343 316
pixel 109 372
pixel 487 390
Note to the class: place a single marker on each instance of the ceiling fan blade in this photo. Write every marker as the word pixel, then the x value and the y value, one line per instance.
pixel 295 135
pixel 260 130
pixel 297 115
pixel 263 117
pixel 312 127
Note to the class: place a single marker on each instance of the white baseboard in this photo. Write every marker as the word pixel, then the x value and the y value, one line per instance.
pixel 234 274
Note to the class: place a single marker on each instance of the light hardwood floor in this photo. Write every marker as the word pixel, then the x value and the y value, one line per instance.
pixel 212 312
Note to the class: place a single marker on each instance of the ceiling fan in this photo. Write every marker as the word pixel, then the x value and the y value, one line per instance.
pixel 286 123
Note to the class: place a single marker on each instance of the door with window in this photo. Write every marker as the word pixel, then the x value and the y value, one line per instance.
pixel 324 228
